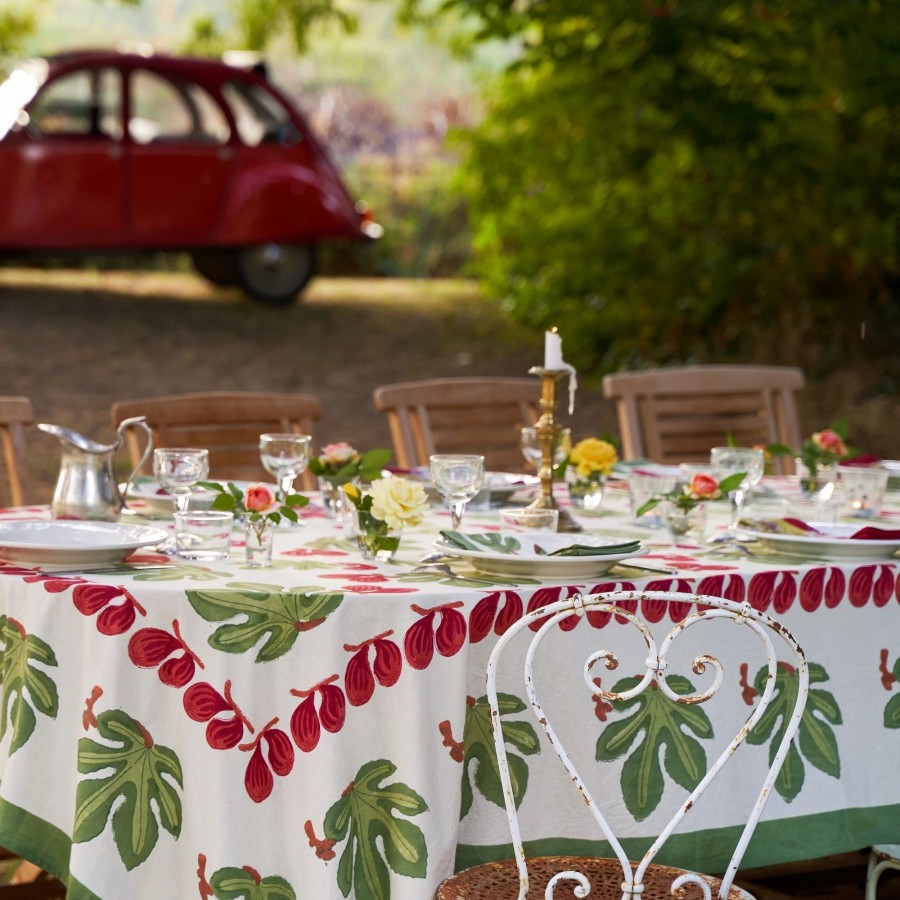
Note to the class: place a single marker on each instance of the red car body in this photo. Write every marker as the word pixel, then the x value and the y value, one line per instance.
pixel 101 150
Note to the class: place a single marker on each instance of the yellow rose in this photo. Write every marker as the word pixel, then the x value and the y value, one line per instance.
pixel 593 455
pixel 398 501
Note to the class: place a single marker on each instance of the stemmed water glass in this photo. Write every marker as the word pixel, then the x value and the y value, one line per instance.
pixel 285 456
pixel 457 477
pixel 727 461
pixel 178 469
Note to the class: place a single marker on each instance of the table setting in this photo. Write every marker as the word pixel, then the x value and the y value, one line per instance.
pixel 308 719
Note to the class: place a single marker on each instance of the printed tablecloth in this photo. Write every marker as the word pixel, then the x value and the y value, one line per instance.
pixel 318 729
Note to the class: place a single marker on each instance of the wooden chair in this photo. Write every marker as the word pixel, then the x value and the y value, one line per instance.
pixel 15 414
pixel 642 648
pixel 28 881
pixel 460 415
pixel 676 415
pixel 226 423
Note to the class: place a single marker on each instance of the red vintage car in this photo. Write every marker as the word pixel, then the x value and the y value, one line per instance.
pixel 107 151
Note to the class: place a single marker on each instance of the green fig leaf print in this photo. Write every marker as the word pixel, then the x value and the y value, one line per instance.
pixel 656 724
pixel 231 883
pixel 271 619
pixel 892 710
pixel 141 787
pixel 815 738
pixel 25 688
pixel 478 740
pixel 365 817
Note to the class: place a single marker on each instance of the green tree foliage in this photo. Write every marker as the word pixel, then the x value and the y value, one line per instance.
pixel 674 180
pixel 15 26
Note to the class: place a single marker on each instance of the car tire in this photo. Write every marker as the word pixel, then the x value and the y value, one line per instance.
pixel 219 267
pixel 276 273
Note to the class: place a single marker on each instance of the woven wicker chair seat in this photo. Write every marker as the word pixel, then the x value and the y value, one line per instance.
pixel 500 881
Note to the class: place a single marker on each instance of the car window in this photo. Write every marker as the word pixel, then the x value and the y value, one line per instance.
pixel 260 117
pixel 87 102
pixel 174 110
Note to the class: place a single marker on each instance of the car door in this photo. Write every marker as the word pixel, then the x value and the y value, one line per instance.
pixel 63 177
pixel 179 160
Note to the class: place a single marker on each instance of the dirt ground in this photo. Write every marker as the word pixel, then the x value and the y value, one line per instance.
pixel 75 341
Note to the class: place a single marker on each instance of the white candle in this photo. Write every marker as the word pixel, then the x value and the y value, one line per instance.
pixel 553 358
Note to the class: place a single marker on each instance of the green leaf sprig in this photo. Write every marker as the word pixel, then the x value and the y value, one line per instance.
pixel 363 466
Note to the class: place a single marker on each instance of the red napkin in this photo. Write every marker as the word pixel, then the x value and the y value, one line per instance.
pixel 871 533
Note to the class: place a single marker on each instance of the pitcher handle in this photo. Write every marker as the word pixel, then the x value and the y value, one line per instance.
pixel 140 421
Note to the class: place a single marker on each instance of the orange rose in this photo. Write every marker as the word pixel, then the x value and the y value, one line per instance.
pixel 704 487
pixel 259 498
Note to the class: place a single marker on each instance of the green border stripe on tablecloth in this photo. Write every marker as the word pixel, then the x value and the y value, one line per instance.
pixel 42 843
pixel 773 843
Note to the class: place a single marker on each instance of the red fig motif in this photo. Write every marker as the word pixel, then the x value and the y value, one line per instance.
pixel 281 753
pixel 419 642
pixel 178 671
pixel 333 709
pixel 223 734
pixel 451 632
pixel 481 619
pixel 258 778
pixel 305 728
pixel 388 662
pixel 202 701
pixel 148 647
pixel 358 679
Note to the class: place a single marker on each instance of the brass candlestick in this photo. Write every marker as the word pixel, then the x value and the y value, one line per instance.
pixel 548 432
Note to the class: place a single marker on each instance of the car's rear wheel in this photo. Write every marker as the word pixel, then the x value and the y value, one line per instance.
pixel 219 267
pixel 276 273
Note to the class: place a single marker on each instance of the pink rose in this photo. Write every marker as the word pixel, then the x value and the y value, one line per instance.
pixel 259 498
pixel 704 487
pixel 830 440
pixel 338 454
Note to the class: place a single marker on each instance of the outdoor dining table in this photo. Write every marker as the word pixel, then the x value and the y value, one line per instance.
pixel 319 728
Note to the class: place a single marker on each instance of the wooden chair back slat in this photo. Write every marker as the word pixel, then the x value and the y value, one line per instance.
pixel 460 415
pixel 677 414
pixel 228 424
pixel 15 415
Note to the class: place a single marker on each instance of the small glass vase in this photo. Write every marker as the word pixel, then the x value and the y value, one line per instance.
pixel 819 483
pixel 586 493
pixel 374 538
pixel 258 539
pixel 686 524
pixel 334 499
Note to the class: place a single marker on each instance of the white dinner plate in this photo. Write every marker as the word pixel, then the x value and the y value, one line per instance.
pixel 70 541
pixel 147 495
pixel 834 542
pixel 528 561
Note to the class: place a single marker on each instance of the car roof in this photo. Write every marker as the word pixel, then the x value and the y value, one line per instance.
pixel 203 69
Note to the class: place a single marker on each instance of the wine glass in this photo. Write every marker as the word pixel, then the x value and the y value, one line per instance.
pixel 178 469
pixel 727 461
pixel 530 445
pixel 457 477
pixel 285 456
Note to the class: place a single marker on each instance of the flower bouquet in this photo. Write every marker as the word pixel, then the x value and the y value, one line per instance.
pixel 382 512
pixel 339 464
pixel 586 469
pixel 818 459
pixel 686 505
pixel 260 512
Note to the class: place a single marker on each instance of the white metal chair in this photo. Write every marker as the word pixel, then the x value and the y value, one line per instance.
pixel 882 857
pixel 620 877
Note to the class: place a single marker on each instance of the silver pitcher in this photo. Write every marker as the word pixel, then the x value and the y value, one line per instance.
pixel 87 486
